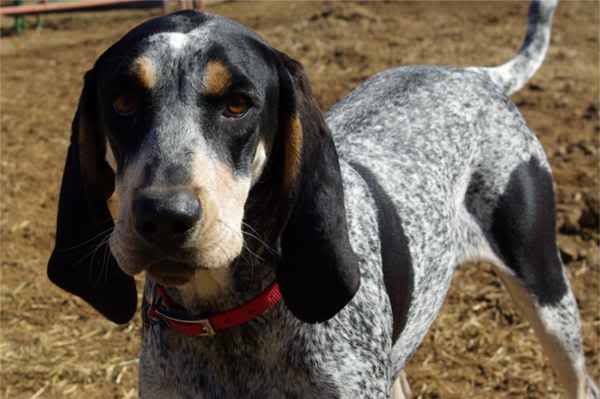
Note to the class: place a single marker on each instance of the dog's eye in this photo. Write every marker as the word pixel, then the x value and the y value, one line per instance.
pixel 125 104
pixel 236 106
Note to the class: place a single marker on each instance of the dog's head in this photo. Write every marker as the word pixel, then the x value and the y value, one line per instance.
pixel 189 129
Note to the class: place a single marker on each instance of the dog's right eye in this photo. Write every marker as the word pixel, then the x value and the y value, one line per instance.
pixel 237 105
pixel 125 104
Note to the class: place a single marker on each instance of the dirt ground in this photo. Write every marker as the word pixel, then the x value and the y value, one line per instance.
pixel 53 345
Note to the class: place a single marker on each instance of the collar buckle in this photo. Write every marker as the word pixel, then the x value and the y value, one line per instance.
pixel 207 329
pixel 199 327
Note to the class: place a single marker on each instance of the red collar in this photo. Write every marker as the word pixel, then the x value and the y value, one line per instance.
pixel 161 304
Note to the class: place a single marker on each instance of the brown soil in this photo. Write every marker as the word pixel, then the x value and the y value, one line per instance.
pixel 52 345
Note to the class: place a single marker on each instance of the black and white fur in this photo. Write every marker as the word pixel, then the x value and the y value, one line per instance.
pixel 436 167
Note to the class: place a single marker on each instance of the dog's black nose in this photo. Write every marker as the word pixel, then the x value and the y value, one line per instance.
pixel 164 217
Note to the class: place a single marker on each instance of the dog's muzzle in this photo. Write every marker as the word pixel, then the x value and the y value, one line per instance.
pixel 166 217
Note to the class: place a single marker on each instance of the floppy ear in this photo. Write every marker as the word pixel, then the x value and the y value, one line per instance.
pixel 318 272
pixel 81 262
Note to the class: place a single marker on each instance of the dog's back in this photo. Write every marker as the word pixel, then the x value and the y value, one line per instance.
pixel 427 135
pixel 451 157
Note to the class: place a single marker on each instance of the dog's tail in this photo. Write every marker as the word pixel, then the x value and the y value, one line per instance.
pixel 513 75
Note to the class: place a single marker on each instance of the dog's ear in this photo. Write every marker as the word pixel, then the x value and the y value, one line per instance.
pixel 318 271
pixel 81 262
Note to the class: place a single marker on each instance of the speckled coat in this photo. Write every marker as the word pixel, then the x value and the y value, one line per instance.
pixel 437 168
pixel 440 144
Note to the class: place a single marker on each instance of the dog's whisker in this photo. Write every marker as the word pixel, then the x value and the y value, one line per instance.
pixel 254 234
pixel 108 231
pixel 99 272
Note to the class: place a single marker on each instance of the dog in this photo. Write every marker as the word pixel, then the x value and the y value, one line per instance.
pixel 291 254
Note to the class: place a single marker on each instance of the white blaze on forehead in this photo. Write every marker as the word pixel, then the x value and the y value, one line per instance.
pixel 177 41
pixel 174 40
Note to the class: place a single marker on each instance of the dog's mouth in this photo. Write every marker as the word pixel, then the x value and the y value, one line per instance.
pixel 172 266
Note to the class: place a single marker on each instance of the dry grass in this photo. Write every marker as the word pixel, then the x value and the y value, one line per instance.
pixel 53 346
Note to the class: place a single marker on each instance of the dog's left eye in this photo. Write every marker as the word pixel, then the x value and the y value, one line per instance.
pixel 125 104
pixel 236 106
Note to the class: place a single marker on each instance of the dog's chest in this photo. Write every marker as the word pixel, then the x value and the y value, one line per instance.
pixel 344 357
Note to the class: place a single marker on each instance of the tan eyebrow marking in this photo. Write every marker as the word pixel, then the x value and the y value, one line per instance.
pixel 217 77
pixel 144 71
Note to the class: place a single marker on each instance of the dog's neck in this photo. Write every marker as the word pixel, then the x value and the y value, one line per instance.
pixel 216 290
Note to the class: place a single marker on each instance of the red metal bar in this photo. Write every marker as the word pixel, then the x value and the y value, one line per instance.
pixel 65 7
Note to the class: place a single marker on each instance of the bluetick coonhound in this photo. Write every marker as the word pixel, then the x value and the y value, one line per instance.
pixel 200 155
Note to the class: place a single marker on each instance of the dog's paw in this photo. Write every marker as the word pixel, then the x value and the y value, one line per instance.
pixel 592 389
